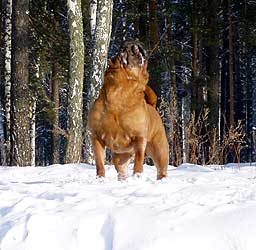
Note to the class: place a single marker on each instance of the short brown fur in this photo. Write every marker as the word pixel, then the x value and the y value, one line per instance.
pixel 123 121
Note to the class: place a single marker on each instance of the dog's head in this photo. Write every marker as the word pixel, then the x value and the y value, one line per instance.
pixel 129 64
pixel 132 54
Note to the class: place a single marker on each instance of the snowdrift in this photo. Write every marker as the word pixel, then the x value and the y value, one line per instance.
pixel 66 208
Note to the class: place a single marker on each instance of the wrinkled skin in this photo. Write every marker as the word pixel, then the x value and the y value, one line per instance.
pixel 123 121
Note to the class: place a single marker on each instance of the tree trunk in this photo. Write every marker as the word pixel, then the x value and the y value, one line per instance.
pixel 153 24
pixel 2 139
pixel 100 46
pixel 7 47
pixel 55 121
pixel 253 72
pixel 231 67
pixel 195 59
pixel 76 74
pixel 21 95
pixel 93 15
pixel 33 133
pixel 88 15
pixel 213 69
pixel 99 60
pixel 143 28
pixel 174 129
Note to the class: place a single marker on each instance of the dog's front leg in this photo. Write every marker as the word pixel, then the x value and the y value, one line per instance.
pixel 139 147
pixel 99 152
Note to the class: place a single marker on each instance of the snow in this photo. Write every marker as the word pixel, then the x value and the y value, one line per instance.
pixel 64 207
pixel 74 24
pixel 72 6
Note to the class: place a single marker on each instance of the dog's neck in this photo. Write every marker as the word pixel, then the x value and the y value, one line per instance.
pixel 124 88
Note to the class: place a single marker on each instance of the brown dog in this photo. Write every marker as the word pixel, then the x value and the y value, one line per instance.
pixel 121 120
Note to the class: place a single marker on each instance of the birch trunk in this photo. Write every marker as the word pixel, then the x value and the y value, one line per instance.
pixel 100 46
pixel 7 47
pixel 2 139
pixel 253 63
pixel 93 16
pixel 21 96
pixel 76 74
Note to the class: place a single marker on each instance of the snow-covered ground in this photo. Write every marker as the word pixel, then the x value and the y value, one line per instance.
pixel 66 208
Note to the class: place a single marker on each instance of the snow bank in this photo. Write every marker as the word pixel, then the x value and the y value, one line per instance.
pixel 66 208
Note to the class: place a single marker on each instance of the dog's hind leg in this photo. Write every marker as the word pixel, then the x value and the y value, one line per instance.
pixel 121 162
pixel 99 152
pixel 158 150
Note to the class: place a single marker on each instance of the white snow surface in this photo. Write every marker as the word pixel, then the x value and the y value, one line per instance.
pixel 64 207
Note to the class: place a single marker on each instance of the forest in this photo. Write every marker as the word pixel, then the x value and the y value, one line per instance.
pixel 202 66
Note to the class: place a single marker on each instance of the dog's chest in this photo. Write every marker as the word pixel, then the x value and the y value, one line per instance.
pixel 116 138
pixel 119 131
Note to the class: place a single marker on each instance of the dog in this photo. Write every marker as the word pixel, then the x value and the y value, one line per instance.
pixel 123 117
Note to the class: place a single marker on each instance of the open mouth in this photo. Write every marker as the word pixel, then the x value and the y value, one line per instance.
pixel 132 54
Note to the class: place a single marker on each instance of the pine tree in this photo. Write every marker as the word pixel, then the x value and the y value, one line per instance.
pixel 55 119
pixel 212 47
pixel 231 66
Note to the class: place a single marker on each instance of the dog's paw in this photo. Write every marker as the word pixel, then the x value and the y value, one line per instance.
pixel 138 176
pixel 121 177
pixel 100 179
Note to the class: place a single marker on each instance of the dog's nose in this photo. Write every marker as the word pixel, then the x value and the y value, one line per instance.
pixel 135 49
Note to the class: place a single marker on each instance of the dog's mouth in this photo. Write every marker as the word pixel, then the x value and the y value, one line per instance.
pixel 132 54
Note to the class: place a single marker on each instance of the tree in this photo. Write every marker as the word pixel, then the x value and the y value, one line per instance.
pixel 174 121
pixel 203 58
pixel 100 44
pixel 76 74
pixel 49 46
pixel 55 121
pixel 212 47
pixel 21 93
pixel 7 46
pixel 2 139
pixel 231 66
pixel 197 80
